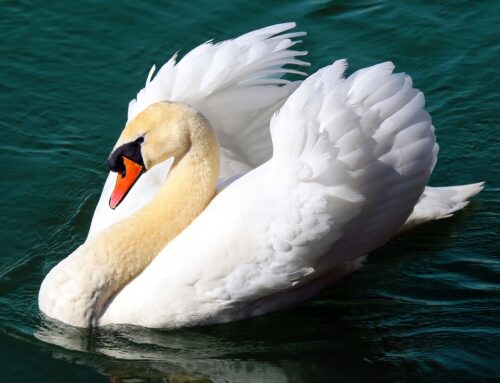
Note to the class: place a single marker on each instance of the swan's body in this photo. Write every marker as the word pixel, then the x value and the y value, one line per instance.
pixel 348 163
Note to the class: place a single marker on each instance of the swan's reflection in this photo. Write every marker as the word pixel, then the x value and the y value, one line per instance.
pixel 297 345
pixel 131 352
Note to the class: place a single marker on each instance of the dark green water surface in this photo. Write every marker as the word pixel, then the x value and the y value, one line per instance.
pixel 426 307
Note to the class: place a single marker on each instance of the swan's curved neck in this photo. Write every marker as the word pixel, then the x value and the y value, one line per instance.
pixel 126 248
pixel 187 191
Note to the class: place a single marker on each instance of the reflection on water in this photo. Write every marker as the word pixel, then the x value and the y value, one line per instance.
pixel 234 352
pixel 141 353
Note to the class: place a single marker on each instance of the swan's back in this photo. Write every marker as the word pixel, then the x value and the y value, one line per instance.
pixel 351 158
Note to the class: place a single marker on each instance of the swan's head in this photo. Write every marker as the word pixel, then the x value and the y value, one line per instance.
pixel 161 131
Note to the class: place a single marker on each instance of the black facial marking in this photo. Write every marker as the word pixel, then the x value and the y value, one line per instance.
pixel 132 151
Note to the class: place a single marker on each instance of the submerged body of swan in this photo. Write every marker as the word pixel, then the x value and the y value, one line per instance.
pixel 314 176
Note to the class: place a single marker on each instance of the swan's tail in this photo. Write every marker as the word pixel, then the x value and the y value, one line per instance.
pixel 440 202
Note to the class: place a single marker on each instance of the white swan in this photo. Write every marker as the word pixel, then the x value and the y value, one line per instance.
pixel 339 172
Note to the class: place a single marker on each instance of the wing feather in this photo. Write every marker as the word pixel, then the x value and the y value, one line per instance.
pixel 232 83
pixel 351 158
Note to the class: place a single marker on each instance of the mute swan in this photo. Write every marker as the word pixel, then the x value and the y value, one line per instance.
pixel 299 205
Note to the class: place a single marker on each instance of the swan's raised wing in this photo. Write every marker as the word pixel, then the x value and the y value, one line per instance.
pixel 237 84
pixel 351 158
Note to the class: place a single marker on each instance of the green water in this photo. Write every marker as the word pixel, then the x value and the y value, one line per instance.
pixel 425 308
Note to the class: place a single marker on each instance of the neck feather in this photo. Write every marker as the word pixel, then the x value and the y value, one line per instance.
pixel 125 249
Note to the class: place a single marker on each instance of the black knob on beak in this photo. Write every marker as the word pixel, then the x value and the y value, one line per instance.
pixel 131 150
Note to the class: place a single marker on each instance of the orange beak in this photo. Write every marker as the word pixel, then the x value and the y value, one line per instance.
pixel 125 181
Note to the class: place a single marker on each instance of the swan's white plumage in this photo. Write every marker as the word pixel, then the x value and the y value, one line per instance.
pixel 351 158
pixel 350 161
pixel 237 84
